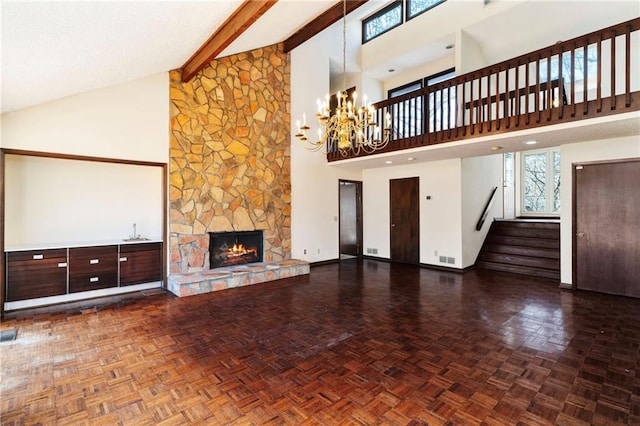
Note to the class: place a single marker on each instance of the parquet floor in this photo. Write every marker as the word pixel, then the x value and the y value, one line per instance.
pixel 355 343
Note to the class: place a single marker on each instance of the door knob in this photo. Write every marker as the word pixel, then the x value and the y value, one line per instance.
pixel 393 225
pixel 580 234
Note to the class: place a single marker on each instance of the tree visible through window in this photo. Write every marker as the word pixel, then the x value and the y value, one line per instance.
pixel 384 20
pixel 416 7
pixel 541 182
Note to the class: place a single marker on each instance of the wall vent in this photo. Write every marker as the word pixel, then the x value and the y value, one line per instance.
pixel 372 251
pixel 443 259
pixel 451 260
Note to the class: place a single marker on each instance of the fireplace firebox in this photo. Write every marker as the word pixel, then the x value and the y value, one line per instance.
pixel 235 248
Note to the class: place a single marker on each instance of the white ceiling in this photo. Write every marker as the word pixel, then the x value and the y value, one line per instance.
pixel 53 49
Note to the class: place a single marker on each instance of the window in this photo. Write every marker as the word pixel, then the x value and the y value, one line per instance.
pixel 382 21
pixel 442 103
pixel 416 7
pixel 541 182
pixel 407 115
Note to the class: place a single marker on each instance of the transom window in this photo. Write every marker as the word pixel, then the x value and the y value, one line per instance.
pixel 382 21
pixel 393 15
pixel 416 7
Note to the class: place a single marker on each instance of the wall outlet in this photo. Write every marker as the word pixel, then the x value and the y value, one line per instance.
pixel 305 251
pixel 435 253
pixel 318 251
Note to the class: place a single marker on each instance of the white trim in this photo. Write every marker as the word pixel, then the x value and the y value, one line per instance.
pixel 72 297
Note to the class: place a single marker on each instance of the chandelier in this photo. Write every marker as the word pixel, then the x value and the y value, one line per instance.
pixel 351 129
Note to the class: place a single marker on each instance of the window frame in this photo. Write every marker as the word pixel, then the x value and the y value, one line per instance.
pixel 408 17
pixel 390 94
pixel 428 80
pixel 550 176
pixel 378 14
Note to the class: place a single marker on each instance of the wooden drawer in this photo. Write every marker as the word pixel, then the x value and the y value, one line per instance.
pixel 140 263
pixel 92 260
pixel 36 273
pixel 94 281
pixel 93 268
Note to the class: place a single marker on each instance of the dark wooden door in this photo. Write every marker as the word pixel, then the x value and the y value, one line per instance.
pixel 404 199
pixel 607 227
pixel 350 218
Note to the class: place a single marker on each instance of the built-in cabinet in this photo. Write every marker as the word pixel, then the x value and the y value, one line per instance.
pixel 140 263
pixel 92 268
pixel 34 274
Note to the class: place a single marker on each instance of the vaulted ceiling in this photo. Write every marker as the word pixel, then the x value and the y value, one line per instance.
pixel 53 49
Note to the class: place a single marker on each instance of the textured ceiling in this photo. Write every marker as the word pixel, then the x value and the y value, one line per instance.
pixel 53 49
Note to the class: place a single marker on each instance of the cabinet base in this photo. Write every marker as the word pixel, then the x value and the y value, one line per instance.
pixel 73 297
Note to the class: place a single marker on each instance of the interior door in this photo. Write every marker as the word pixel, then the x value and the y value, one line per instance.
pixel 350 218
pixel 405 220
pixel 607 227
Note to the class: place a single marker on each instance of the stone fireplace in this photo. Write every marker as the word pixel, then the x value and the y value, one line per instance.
pixel 229 171
pixel 234 248
pixel 229 163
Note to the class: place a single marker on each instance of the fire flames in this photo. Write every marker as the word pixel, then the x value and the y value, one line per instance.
pixel 239 250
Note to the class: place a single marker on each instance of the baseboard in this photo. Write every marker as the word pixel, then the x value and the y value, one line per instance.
pixel 324 262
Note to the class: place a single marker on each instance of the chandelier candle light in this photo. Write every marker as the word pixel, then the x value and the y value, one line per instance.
pixel 350 129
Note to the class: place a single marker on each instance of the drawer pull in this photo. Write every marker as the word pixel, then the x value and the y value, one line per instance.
pixel 94 279
pixel 94 261
pixel 123 259
pixel 62 265
pixel 38 256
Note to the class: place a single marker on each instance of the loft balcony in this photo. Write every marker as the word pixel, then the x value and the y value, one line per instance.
pixel 592 76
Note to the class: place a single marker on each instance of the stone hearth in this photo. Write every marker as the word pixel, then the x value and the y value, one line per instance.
pixel 236 276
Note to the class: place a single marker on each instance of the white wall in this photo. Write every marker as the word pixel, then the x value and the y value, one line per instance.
pixel 314 183
pixel 610 149
pixel 479 176
pixel 440 217
pixel 127 121
pixel 53 200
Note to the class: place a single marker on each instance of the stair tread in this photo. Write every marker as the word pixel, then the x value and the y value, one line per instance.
pixel 522 247
pixel 527 261
pixel 519 269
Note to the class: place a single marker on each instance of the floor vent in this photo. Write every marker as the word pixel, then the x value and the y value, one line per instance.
pixel 8 335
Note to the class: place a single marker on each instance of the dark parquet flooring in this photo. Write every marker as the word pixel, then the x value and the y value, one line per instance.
pixel 356 343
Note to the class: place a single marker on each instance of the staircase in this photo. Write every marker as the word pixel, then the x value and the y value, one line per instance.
pixel 522 246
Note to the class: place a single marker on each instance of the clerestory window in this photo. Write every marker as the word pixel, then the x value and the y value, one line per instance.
pixel 416 7
pixel 393 15
pixel 382 21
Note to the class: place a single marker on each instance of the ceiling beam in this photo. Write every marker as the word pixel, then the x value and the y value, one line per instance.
pixel 331 15
pixel 243 17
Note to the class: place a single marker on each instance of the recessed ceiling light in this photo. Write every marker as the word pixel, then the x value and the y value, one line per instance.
pixel 388 162
pixel 531 142
pixel 391 69
pixel 496 148
pixel 449 46
pixel 411 158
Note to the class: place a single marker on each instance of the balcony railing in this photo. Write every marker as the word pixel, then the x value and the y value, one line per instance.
pixel 590 76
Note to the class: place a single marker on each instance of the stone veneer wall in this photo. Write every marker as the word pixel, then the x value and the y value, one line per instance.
pixel 230 156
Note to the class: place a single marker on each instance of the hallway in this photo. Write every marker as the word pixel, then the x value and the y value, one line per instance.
pixel 355 342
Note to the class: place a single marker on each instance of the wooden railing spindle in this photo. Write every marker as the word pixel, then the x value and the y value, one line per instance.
pixel 613 69
pixel 628 67
pixel 585 85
